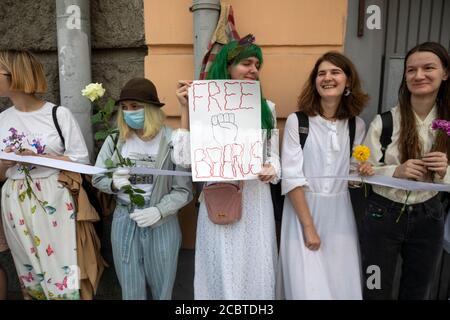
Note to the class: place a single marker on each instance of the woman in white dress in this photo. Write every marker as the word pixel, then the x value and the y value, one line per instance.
pixel 319 254
pixel 236 261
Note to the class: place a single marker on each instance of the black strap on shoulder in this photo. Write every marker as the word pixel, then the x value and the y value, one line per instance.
pixel 55 121
pixel 386 132
pixel 303 127
pixel 351 132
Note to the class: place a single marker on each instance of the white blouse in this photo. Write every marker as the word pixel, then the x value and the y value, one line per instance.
pixel 392 157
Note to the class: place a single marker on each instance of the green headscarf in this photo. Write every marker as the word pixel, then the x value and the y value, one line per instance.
pixel 219 71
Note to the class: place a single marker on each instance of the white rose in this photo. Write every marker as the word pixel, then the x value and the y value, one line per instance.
pixel 93 91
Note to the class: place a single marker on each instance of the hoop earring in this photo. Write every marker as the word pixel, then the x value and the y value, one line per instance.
pixel 347 92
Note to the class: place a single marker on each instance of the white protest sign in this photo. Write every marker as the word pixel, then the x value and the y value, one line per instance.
pixel 225 125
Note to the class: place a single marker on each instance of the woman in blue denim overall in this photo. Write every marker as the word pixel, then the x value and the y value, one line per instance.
pixel 145 240
pixel 398 222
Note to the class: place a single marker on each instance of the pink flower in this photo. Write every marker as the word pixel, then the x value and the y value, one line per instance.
pixel 442 125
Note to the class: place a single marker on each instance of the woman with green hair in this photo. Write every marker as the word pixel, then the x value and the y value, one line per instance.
pixel 236 261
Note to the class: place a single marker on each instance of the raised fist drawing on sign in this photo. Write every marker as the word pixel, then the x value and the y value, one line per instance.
pixel 224 128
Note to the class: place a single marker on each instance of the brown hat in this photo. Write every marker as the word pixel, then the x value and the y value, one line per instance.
pixel 140 89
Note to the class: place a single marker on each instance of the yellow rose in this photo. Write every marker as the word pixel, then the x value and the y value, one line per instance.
pixel 361 153
pixel 93 91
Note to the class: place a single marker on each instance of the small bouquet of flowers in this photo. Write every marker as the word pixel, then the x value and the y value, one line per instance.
pixel 441 126
pixel 361 153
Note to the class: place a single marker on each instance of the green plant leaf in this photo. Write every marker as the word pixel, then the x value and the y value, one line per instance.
pixel 101 135
pixel 28 192
pixel 138 190
pixel 109 164
pixel 97 118
pixel 109 107
pixel 137 199
pixel 33 209
pixel 129 162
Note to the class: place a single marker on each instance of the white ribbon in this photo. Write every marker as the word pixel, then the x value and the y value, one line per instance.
pixel 53 163
pixel 87 169
pixel 387 182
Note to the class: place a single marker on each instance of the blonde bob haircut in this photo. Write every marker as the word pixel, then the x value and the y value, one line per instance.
pixel 25 71
pixel 154 120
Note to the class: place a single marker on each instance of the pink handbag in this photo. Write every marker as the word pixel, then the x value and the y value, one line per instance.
pixel 224 202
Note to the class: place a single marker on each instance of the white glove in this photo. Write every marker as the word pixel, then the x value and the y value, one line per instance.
pixel 146 217
pixel 121 178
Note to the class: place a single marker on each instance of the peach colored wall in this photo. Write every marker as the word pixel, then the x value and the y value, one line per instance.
pixel 292 33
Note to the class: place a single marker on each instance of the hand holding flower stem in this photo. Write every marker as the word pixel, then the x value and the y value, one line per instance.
pixel 362 153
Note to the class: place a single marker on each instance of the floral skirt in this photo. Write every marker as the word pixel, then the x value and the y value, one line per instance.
pixel 40 230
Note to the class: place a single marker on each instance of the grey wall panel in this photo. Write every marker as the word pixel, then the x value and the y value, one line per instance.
pixel 413 26
pixel 445 30
pixel 394 71
pixel 436 20
pixel 402 26
pixel 410 22
pixel 424 21
pixel 366 52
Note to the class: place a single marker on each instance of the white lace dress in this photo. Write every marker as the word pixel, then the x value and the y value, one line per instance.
pixel 235 261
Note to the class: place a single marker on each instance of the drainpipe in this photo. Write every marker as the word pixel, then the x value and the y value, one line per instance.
pixel 74 58
pixel 206 15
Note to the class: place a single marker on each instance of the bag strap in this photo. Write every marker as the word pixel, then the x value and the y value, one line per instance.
pixel 351 132
pixel 58 128
pixel 386 132
pixel 303 127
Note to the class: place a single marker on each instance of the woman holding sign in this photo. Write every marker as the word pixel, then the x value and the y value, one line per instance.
pixel 38 212
pixel 319 254
pixel 237 260
pixel 399 222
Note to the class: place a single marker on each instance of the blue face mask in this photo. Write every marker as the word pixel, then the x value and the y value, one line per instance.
pixel 134 119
